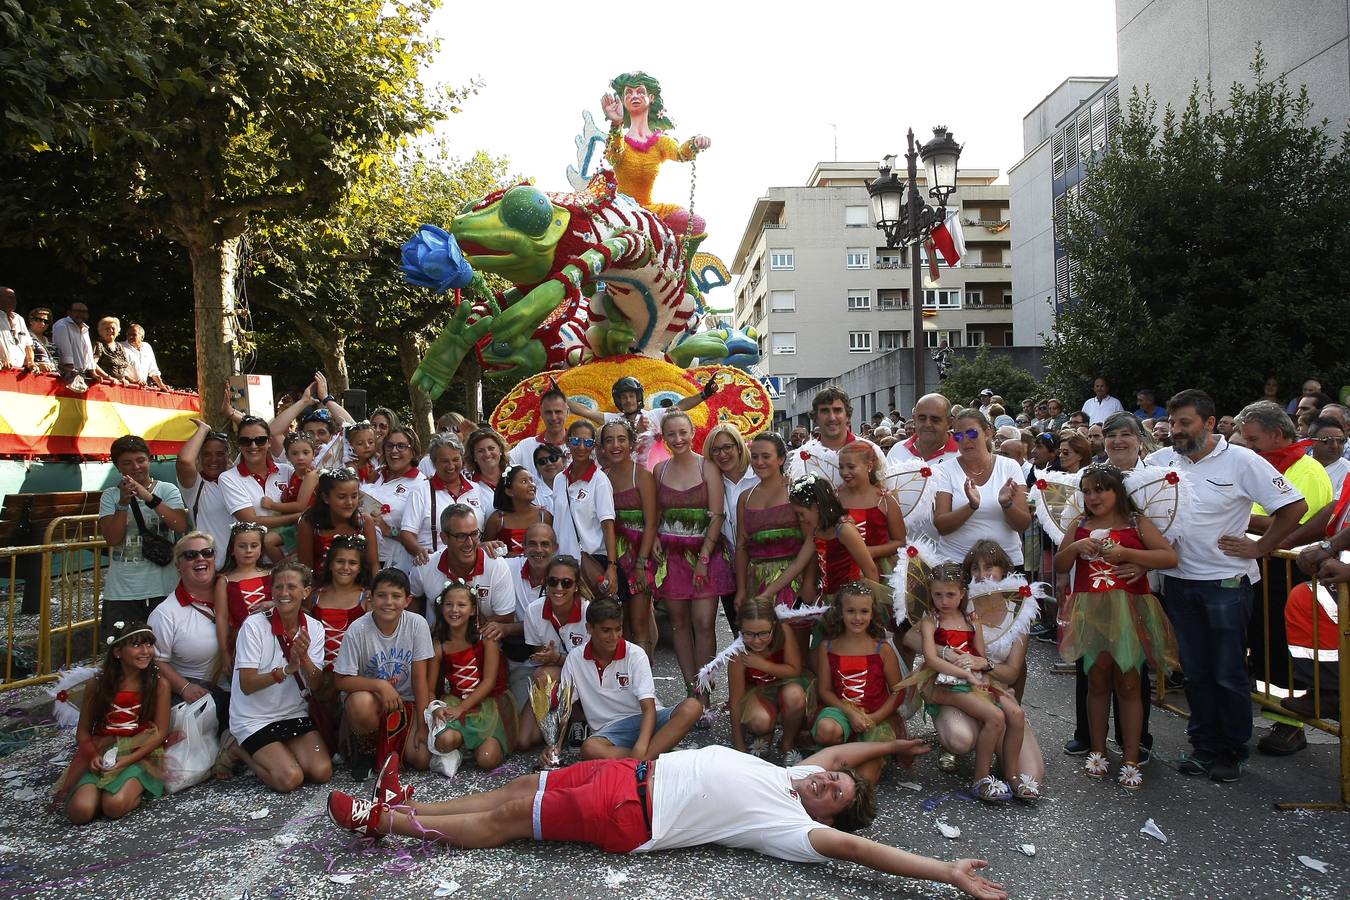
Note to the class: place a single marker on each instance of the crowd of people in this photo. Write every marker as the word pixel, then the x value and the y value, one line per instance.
pixel 343 593
pixel 66 349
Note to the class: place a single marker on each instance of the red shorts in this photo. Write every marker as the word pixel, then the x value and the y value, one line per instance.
pixel 592 802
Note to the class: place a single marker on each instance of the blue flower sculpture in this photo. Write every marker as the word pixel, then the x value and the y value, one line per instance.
pixel 432 258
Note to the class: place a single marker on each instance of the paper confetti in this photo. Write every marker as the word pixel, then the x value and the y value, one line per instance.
pixel 1028 849
pixel 949 831
pixel 262 814
pixel 1315 864
pixel 342 878
pixel 6 848
pixel 1152 830
pixel 911 785
pixel 12 774
pixel 25 795
pixel 445 888
pixel 614 878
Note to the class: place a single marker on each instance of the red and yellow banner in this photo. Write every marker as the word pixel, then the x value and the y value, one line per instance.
pixel 39 416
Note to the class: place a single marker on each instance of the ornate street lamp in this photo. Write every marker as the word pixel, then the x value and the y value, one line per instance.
pixel 906 221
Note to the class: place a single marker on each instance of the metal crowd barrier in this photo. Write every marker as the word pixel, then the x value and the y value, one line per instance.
pixel 73 557
pixel 1268 696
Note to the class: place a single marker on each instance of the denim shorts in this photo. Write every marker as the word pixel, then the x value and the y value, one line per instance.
pixel 624 732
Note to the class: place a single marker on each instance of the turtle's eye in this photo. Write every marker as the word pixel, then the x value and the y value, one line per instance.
pixel 527 210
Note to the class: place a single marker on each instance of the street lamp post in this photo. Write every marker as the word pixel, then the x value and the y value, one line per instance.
pixel 907 221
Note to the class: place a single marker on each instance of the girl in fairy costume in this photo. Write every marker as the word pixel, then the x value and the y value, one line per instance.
pixel 635 524
pixel 874 510
pixel 636 154
pixel 767 684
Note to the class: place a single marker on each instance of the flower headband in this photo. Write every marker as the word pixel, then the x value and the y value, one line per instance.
pixel 122 632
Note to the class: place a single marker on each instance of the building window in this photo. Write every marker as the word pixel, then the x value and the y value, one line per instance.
pixel 860 342
pixel 941 260
pixel 859 299
pixel 1007 298
pixel 892 300
pixel 857 257
pixel 974 298
pixel 856 217
pixel 974 338
pixel 782 301
pixel 782 259
pixel 784 342
pixel 892 340
pixel 935 338
pixel 889 260
pixel 941 299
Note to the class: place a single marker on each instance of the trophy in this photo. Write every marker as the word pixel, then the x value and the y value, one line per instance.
pixel 552 718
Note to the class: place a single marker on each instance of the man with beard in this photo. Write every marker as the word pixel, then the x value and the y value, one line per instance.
pixel 1208 596
pixel 832 411
pixel 799 436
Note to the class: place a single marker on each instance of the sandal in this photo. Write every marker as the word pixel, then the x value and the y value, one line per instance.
pixel 223 768
pixel 1095 766
pixel 1130 777
pixel 1025 788
pixel 991 790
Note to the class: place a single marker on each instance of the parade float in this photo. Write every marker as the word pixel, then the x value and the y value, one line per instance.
pixel 605 282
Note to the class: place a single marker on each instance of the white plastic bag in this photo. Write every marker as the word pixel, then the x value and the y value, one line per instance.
pixel 446 764
pixel 193 746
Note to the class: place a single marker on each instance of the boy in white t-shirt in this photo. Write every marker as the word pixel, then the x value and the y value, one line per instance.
pixel 612 679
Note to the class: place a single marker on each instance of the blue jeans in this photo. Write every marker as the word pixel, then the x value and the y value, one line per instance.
pixel 1210 620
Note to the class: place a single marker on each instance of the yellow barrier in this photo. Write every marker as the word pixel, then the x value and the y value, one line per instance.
pixel 63 612
pixel 1264 693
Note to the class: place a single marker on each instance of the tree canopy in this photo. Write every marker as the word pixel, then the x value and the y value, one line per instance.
pixel 1212 250
pixel 968 377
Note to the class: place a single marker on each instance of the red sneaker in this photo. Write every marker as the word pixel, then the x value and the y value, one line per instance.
pixel 389 791
pixel 351 814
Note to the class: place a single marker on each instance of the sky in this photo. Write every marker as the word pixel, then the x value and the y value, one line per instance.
pixel 770 84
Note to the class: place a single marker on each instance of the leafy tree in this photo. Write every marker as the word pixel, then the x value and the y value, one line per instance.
pixel 969 376
pixel 1212 251
pixel 185 118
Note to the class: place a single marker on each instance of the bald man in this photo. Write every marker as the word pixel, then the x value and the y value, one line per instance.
pixel 932 442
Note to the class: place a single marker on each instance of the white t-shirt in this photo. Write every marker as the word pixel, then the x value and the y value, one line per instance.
pixel 1227 481
pixel 491 579
pixel 417 511
pixel 14 338
pixel 541 628
pixel 578 509
pixel 731 494
pixel 606 697
pixel 244 491
pixel 184 638
pixel 522 454
pixel 212 516
pixel 1337 472
pixel 814 458
pixel 393 493
pixel 717 795
pixel 370 653
pixel 1098 410
pixel 71 339
pixel 257 648
pixel 526 593
pixel 143 363
pixel 987 521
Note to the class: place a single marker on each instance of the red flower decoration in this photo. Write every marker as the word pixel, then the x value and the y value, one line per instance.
pixel 384 509
pixel 1173 477
pixel 1040 483
pixel 1025 590
pixel 805 455
pixel 62 696
pixel 926 472
pixel 912 551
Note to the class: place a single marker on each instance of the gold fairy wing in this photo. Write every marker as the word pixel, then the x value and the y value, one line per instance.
pixel 1058 502
pixel 1163 495
pixel 913 488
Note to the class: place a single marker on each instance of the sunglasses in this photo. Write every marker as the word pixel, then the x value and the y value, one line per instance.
pixel 42 319
pixel 970 434
pixel 259 441
pixel 197 554
pixel 564 583
pixel 1330 440
pixel 548 460
pixel 588 443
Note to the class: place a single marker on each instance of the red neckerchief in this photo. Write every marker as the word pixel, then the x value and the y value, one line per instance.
pixel 619 653
pixel 242 469
pixel 912 445
pixel 525 574
pixel 584 476
pixel 1285 457
pixel 284 639
pixel 465 485
pixel 1339 512
pixel 479 563
pixel 573 617
pixel 368 472
pixel 181 594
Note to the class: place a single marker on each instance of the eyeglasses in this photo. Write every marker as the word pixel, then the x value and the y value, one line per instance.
pixel 970 434
pixel 588 443
pixel 722 448
pixel 1339 442
pixel 564 583
pixel 197 554
pixel 218 436
pixel 258 441
pixel 319 415
pixel 397 448
pixel 463 537
pixel 755 635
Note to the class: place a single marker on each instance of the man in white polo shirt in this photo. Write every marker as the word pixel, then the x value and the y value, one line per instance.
pixel 1208 596
pixel 465 560
pixel 1101 404
pixel 553 412
pixel 820 456
pixel 930 447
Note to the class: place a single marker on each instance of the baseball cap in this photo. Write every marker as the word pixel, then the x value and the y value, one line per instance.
pixel 986 393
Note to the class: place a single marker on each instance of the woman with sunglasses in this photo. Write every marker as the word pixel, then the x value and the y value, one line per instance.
pixel 515 510
pixel 635 518
pixel 1075 452
pixel 583 511
pixel 548 462
pixel 555 626
pixel 399 480
pixel 185 627
pixel 419 529
pixel 256 476
pixel 982 496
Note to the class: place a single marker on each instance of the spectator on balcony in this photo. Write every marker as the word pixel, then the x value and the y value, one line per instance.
pixel 16 346
pixel 1147 406
pixel 1101 404
pixel 44 354
pixel 109 355
pixel 74 351
pixel 141 356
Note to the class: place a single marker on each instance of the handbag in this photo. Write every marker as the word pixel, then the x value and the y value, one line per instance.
pixel 154 546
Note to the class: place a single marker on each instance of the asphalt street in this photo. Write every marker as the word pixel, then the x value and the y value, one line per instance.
pixel 1223 840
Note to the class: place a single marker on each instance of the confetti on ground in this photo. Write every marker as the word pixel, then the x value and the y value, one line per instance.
pixel 12 774
pixel 949 831
pixel 260 814
pixel 6 848
pixel 25 795
pixel 910 786
pixel 445 888
pixel 614 878
pixel 342 878
pixel 1152 830
pixel 1315 864
pixel 1028 849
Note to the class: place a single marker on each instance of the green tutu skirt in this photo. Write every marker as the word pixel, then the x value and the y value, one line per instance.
pixel 766 695
pixel 494 718
pixel 1131 628
pixel 144 772
pixel 886 730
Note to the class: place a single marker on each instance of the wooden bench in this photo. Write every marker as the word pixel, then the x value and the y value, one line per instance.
pixel 23 521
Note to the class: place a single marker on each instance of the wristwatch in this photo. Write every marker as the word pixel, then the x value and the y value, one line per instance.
pixel 154 501
pixel 1325 547
pixel 329 399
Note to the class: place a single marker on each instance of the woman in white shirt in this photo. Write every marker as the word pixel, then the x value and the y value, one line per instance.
pixel 583 511
pixel 981 496
pixel 184 624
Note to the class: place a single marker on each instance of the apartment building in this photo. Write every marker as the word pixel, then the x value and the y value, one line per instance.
pixel 827 296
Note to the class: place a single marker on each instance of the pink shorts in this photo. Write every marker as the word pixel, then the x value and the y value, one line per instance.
pixel 592 802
